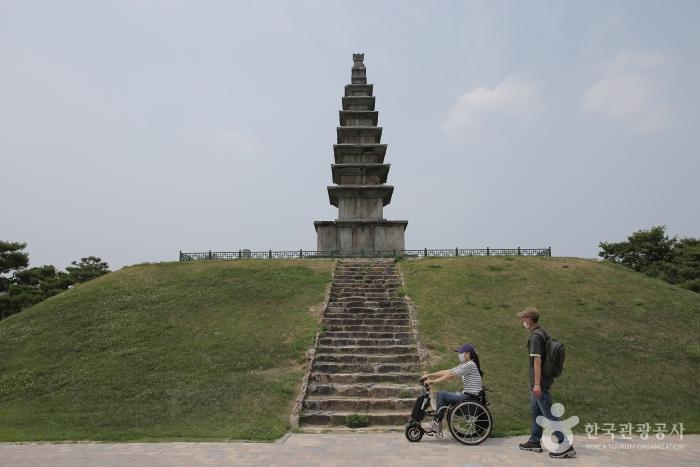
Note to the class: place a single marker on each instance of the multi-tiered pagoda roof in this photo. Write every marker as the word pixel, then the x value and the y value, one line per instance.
pixel 360 175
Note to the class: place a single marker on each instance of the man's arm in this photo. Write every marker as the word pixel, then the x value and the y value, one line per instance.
pixel 537 366
pixel 537 348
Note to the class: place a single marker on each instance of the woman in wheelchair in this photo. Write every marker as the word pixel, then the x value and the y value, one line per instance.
pixel 469 370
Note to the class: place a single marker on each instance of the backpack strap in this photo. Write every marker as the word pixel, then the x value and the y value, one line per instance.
pixel 546 341
pixel 541 334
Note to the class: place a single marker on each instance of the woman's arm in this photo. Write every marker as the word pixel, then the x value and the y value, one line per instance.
pixel 437 374
pixel 446 374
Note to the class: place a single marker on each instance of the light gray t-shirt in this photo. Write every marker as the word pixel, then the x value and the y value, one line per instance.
pixel 471 379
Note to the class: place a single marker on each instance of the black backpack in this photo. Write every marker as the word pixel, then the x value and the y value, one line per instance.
pixel 555 354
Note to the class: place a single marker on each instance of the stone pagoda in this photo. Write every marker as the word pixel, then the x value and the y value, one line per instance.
pixel 359 173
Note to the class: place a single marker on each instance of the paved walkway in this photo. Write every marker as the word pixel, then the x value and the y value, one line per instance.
pixel 380 449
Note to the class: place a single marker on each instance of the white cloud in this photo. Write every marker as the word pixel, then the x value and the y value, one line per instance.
pixel 628 92
pixel 514 98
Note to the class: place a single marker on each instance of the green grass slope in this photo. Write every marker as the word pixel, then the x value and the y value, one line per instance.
pixel 632 342
pixel 210 350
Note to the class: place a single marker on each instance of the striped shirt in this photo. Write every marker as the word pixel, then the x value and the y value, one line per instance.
pixel 471 379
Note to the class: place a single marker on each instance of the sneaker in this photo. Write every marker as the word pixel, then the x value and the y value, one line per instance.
pixel 563 455
pixel 530 446
pixel 436 427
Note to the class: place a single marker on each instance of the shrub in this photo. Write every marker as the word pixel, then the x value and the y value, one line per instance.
pixel 356 421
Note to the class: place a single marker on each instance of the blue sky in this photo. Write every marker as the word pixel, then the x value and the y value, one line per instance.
pixel 131 130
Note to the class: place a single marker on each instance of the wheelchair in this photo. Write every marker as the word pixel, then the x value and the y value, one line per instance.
pixel 470 421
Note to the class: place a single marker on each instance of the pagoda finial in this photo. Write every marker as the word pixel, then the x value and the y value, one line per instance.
pixel 358 61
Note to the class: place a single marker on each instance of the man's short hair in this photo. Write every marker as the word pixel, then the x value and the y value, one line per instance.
pixel 529 312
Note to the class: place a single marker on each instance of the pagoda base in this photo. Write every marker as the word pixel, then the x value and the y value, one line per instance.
pixel 362 236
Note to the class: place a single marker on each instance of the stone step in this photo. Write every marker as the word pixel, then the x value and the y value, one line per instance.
pixel 365 335
pixel 348 291
pixel 374 378
pixel 386 306
pixel 367 321
pixel 357 306
pixel 367 328
pixel 364 280
pixel 365 270
pixel 353 296
pixel 370 304
pixel 385 417
pixel 339 286
pixel 365 358
pixel 343 300
pixel 365 390
pixel 379 302
pixel 387 367
pixel 352 300
pixel 367 307
pixel 371 349
pixel 338 429
pixel 365 343
pixel 369 315
pixel 364 285
pixel 357 404
pixel 354 307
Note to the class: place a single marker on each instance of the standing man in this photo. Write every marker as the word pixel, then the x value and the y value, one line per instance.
pixel 540 399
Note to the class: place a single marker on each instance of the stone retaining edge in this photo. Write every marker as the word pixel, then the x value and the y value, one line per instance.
pixel 310 357
pixel 423 354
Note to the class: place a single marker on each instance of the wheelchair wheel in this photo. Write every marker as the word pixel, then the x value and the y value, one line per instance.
pixel 414 432
pixel 470 423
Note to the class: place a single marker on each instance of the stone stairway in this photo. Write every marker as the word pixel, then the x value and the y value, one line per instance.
pixel 366 359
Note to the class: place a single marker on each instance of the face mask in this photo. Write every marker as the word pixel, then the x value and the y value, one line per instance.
pixel 462 357
pixel 525 325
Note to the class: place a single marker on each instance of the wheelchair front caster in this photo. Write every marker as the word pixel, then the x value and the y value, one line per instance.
pixel 414 432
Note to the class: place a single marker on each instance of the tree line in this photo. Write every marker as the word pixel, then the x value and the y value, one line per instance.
pixel 22 286
pixel 655 254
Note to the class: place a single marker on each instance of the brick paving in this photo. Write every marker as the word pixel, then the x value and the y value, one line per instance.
pixel 337 449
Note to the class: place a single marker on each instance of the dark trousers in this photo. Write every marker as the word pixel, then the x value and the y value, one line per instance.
pixel 446 398
pixel 542 406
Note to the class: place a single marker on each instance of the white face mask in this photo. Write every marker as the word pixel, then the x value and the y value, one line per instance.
pixel 462 357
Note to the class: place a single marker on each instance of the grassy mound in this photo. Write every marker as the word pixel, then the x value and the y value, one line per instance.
pixel 632 342
pixel 210 350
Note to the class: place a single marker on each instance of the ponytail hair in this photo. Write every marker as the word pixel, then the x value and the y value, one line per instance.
pixel 475 359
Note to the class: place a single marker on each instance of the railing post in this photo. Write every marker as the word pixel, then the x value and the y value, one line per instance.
pixel 269 256
pixel 518 251
pixel 457 251
pixel 209 254
pixel 488 251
